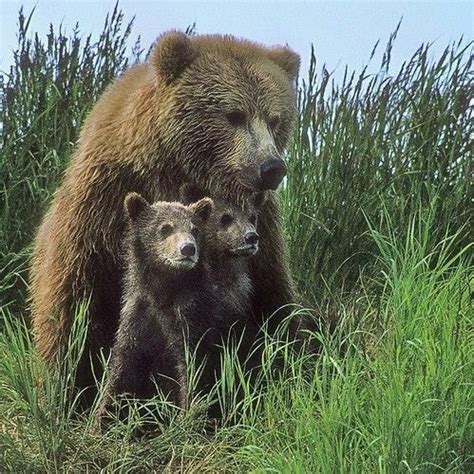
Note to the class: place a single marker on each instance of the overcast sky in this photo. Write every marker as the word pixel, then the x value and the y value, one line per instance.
pixel 343 32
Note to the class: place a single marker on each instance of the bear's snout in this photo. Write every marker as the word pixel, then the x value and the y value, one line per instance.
pixel 188 249
pixel 251 238
pixel 272 171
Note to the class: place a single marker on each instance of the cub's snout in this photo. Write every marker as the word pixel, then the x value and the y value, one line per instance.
pixel 251 238
pixel 188 249
pixel 188 254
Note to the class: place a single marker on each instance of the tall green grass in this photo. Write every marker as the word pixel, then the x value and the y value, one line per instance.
pixel 378 220
pixel 399 396
pixel 402 138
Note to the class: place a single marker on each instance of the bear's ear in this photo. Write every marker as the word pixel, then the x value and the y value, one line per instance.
pixel 287 59
pixel 171 55
pixel 189 193
pixel 203 208
pixel 135 204
pixel 259 199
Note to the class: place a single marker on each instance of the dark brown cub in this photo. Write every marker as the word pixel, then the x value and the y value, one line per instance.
pixel 167 300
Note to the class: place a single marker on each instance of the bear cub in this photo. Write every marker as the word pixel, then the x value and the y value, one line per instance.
pixel 231 237
pixel 166 287
pixel 186 284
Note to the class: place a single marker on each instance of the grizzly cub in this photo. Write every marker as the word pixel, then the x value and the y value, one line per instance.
pixel 231 237
pixel 166 286
pixel 186 284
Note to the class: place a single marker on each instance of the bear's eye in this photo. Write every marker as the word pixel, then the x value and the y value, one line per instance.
pixel 237 118
pixel 226 219
pixel 166 230
pixel 194 231
pixel 274 122
pixel 253 219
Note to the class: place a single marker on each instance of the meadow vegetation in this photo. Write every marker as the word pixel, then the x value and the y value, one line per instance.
pixel 378 217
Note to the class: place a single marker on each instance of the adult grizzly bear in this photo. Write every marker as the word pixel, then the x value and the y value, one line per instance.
pixel 213 110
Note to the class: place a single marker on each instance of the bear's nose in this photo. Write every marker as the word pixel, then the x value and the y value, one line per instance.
pixel 188 249
pixel 272 171
pixel 251 238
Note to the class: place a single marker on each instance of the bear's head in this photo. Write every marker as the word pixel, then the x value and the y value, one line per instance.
pixel 230 107
pixel 167 234
pixel 231 230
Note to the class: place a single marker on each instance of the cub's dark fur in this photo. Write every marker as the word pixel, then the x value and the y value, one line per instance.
pixel 231 241
pixel 167 299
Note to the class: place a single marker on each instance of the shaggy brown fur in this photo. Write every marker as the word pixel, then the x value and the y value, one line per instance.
pixel 171 302
pixel 167 299
pixel 208 109
pixel 231 238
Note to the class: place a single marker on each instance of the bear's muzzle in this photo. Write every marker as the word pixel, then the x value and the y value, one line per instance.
pixel 272 172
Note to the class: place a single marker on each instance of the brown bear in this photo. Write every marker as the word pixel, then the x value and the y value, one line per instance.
pixel 167 296
pixel 231 238
pixel 213 110
pixel 186 283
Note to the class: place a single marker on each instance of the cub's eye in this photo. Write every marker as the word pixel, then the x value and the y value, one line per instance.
pixel 166 230
pixel 274 122
pixel 194 231
pixel 253 219
pixel 226 219
pixel 237 118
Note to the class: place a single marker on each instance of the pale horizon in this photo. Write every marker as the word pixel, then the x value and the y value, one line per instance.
pixel 342 33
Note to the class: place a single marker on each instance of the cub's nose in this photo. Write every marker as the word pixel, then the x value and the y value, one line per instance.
pixel 251 238
pixel 272 171
pixel 188 249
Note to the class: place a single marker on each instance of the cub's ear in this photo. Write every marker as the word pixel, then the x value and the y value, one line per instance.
pixel 135 204
pixel 259 199
pixel 189 193
pixel 203 208
pixel 287 59
pixel 172 53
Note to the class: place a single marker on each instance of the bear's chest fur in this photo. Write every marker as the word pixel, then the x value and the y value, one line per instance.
pixel 232 288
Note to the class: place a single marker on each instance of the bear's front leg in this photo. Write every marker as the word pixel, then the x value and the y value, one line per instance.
pixel 129 377
pixel 169 366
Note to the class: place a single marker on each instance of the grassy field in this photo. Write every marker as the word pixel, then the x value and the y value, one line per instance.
pixel 378 217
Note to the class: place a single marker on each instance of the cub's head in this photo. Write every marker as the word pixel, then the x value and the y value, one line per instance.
pixel 231 230
pixel 167 234
pixel 229 109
